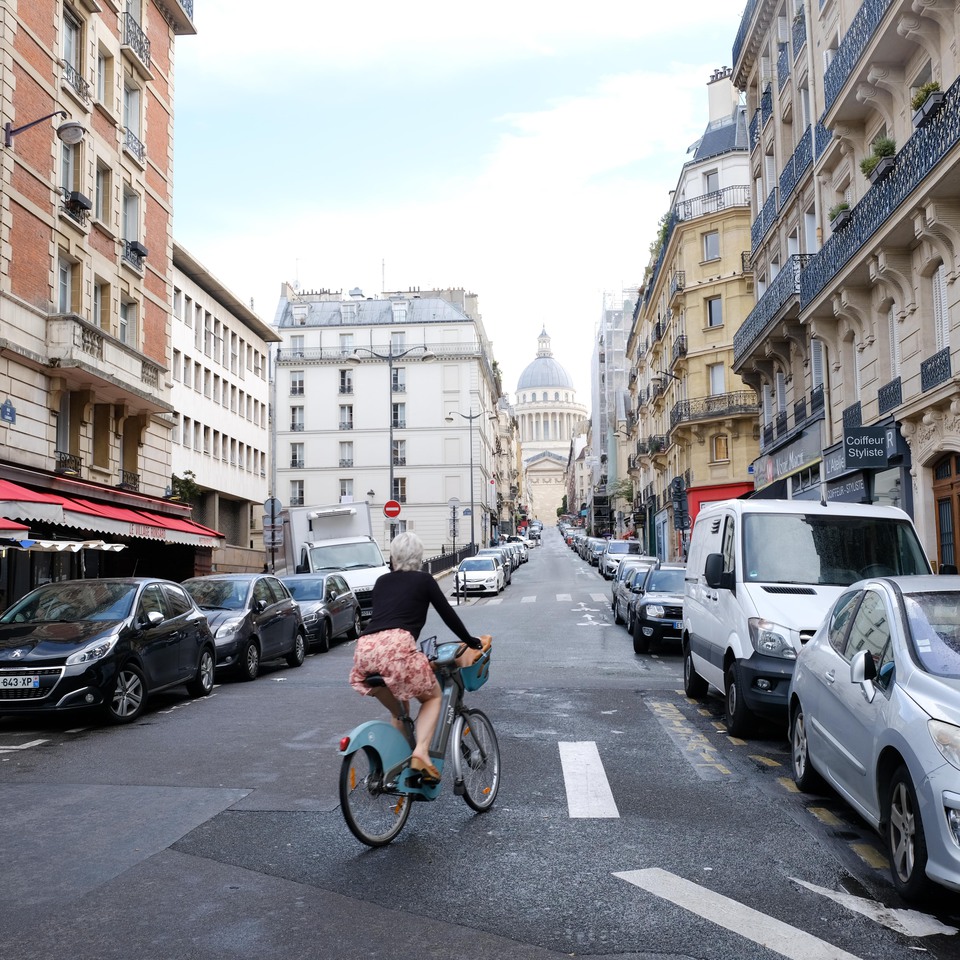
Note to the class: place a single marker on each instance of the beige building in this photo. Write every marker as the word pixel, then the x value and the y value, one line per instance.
pixel 856 257
pixel 694 422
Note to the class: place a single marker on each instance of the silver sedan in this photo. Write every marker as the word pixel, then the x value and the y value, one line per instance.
pixel 875 711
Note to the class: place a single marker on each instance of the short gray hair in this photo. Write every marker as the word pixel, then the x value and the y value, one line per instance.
pixel 406 552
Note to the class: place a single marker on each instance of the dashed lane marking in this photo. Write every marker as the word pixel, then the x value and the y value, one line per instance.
pixel 694 745
pixel 870 855
pixel 750 924
pixel 21 746
pixel 564 597
pixel 588 791
pixel 493 601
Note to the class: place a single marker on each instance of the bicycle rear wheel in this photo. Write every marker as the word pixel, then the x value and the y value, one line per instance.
pixel 479 760
pixel 374 816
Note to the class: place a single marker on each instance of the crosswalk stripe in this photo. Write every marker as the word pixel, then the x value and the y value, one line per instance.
pixel 564 597
pixel 528 599
pixel 599 597
pixel 494 600
pixel 588 791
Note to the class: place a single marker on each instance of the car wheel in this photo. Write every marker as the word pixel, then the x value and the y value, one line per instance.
pixel 739 718
pixel 249 663
pixel 323 636
pixel 202 683
pixel 641 644
pixel 129 695
pixel 616 612
pixel 694 686
pixel 806 778
pixel 630 621
pixel 906 842
pixel 355 629
pixel 298 654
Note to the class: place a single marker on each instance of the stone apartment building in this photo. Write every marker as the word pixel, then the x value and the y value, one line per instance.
pixel 692 419
pixel 85 264
pixel 854 149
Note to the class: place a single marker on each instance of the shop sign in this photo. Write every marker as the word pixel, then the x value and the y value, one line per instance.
pixel 865 447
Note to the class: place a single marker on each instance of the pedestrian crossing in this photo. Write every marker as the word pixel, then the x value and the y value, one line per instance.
pixel 556 597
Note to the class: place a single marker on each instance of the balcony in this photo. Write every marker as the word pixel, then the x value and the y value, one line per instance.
pixel 76 206
pixel 710 203
pixel 135 42
pixel 399 461
pixel 345 425
pixel 399 424
pixel 181 16
pixel 129 480
pixel 916 160
pixel 346 388
pixel 297 426
pixel 784 288
pixel 68 465
pixel 718 405
pixel 133 254
pixel 798 164
pixel 296 501
pixel 88 358
pixel 399 388
pixel 764 221
pixel 678 282
pixel 679 350
pixel 852 416
pixel 296 463
pixel 780 424
pixel 889 396
pixel 346 462
pixel 935 370
pixel 296 390
pixel 73 78
pixel 855 42
pixel 134 146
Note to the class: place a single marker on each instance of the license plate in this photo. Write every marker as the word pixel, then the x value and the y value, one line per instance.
pixel 677 624
pixel 9 682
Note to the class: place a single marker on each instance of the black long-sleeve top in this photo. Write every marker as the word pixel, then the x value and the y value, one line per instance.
pixel 401 600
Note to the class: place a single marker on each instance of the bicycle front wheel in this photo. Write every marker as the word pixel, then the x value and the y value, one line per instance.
pixel 373 815
pixel 479 760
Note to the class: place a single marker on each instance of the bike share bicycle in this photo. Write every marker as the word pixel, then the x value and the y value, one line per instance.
pixel 378 785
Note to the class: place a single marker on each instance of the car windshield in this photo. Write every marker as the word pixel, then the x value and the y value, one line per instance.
pixel 88 600
pixel 665 581
pixel 345 556
pixel 218 594
pixel 934 621
pixel 623 546
pixel 477 563
pixel 310 588
pixel 838 550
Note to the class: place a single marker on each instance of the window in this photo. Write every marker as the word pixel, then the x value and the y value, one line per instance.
pixel 187 371
pixel 346 490
pixel 101 306
pixel 70 166
pixel 399 380
pixel 346 453
pixel 400 489
pixel 544 396
pixel 177 304
pixel 133 142
pixel 104 78
pixel 870 629
pixel 348 313
pixel 296 419
pixel 716 376
pixel 346 381
pixel 65 271
pixel 131 214
pixel 72 41
pixel 399 453
pixel 399 312
pixel 296 493
pixel 176 367
pixel 941 318
pixel 296 346
pixel 296 455
pixel 781 386
pixel 399 415
pixel 296 383
pixel 721 450
pixel 346 344
pixel 346 416
pixel 711 181
pixel 398 342
pixel 127 329
pixel 711 245
pixel 816 363
pixel 556 396
pixel 101 193
pixel 714 312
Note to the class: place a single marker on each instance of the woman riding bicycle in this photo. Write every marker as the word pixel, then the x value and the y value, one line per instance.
pixel 388 645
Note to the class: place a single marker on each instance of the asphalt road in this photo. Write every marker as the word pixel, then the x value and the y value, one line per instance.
pixel 628 825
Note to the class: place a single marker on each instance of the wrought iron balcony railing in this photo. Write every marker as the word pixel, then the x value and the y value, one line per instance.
pixel 136 39
pixel 739 402
pixel 935 370
pixel 129 480
pixel 890 396
pixel 134 145
pixel 855 41
pixel 68 463
pixel 679 349
pixel 346 462
pixel 73 77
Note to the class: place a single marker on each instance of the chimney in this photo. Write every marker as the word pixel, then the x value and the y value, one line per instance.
pixel 723 96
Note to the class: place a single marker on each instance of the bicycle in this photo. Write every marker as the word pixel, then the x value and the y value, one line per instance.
pixel 377 784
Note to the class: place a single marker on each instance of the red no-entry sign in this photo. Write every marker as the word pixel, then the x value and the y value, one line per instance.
pixel 391 509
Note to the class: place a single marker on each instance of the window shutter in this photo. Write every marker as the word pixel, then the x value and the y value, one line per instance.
pixel 816 362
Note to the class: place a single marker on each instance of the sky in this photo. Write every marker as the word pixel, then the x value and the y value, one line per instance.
pixel 524 151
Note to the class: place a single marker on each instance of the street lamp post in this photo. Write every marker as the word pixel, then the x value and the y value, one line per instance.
pixel 390 356
pixel 473 507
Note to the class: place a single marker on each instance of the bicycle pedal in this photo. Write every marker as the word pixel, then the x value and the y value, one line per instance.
pixel 458 788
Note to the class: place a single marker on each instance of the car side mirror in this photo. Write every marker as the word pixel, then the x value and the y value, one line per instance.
pixel 863 670
pixel 713 570
pixel 152 619
pixel 260 605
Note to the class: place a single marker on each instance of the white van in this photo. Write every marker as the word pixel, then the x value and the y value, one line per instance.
pixel 761 576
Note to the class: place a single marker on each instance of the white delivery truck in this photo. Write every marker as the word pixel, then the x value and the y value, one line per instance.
pixel 337 537
pixel 761 576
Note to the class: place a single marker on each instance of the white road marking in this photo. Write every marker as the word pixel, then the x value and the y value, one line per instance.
pixel 528 599
pixel 564 597
pixel 588 792
pixel 599 597
pixel 750 924
pixel 22 746
pixel 494 600
pixel 912 923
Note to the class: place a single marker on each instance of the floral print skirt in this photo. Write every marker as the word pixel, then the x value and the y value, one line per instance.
pixel 395 656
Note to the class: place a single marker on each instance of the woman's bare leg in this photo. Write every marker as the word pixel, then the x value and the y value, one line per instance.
pixel 426 724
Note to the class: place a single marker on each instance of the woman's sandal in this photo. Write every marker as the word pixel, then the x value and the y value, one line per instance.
pixel 429 774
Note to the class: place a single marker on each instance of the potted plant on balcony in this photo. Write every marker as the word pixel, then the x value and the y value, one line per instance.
pixel 839 214
pixel 926 101
pixel 881 160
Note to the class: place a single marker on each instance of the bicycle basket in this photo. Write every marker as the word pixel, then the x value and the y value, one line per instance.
pixel 475 676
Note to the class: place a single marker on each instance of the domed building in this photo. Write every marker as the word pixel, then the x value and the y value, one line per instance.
pixel 549 417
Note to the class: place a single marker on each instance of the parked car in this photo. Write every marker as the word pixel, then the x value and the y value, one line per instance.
pixel 594 550
pixel 103 644
pixel 479 574
pixel 329 607
pixel 761 575
pixel 627 586
pixel 505 559
pixel 622 570
pixel 253 619
pixel 656 611
pixel 614 552
pixel 875 711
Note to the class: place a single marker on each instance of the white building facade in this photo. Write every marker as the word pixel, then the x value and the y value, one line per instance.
pixel 390 398
pixel 221 400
